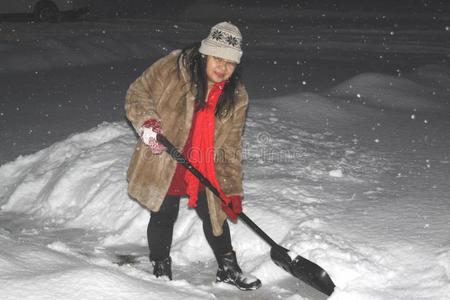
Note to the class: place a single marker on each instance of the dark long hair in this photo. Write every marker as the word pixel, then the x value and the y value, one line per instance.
pixel 191 59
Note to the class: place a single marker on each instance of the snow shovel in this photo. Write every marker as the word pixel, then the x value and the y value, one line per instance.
pixel 299 267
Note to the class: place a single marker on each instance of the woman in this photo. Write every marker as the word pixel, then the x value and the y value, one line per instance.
pixel 197 100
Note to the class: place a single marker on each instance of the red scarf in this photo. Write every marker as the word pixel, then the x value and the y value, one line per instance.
pixel 202 149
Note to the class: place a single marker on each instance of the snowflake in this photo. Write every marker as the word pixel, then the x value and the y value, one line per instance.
pixel 231 40
pixel 217 35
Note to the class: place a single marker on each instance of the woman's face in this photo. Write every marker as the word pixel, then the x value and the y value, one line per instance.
pixel 218 69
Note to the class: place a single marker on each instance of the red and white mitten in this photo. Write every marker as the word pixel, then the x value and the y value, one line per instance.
pixel 148 132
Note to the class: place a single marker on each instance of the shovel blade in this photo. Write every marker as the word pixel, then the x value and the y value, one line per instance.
pixel 303 269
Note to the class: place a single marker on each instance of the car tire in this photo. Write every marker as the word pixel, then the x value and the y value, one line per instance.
pixel 46 11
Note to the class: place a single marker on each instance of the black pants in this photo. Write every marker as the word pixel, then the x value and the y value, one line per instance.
pixel 160 228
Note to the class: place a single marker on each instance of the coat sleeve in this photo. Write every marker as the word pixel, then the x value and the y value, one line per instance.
pixel 229 158
pixel 144 93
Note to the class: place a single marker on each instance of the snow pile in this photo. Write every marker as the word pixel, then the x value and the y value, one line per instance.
pixel 389 92
pixel 79 182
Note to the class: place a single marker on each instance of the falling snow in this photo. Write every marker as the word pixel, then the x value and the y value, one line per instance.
pixel 345 155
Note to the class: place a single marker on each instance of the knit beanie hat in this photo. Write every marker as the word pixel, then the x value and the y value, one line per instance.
pixel 223 41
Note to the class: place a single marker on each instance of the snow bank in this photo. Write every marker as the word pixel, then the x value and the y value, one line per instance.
pixel 363 101
pixel 427 92
pixel 77 182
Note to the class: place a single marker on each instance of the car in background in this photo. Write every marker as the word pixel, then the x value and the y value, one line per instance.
pixel 45 10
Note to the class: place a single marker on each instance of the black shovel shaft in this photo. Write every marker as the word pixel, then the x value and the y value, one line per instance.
pixel 258 230
pixel 172 150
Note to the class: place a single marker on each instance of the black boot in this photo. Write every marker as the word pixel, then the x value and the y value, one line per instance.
pixel 229 272
pixel 163 267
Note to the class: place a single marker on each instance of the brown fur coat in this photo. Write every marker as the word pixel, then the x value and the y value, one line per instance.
pixel 162 94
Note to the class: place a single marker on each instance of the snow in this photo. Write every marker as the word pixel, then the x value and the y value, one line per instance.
pixel 348 167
